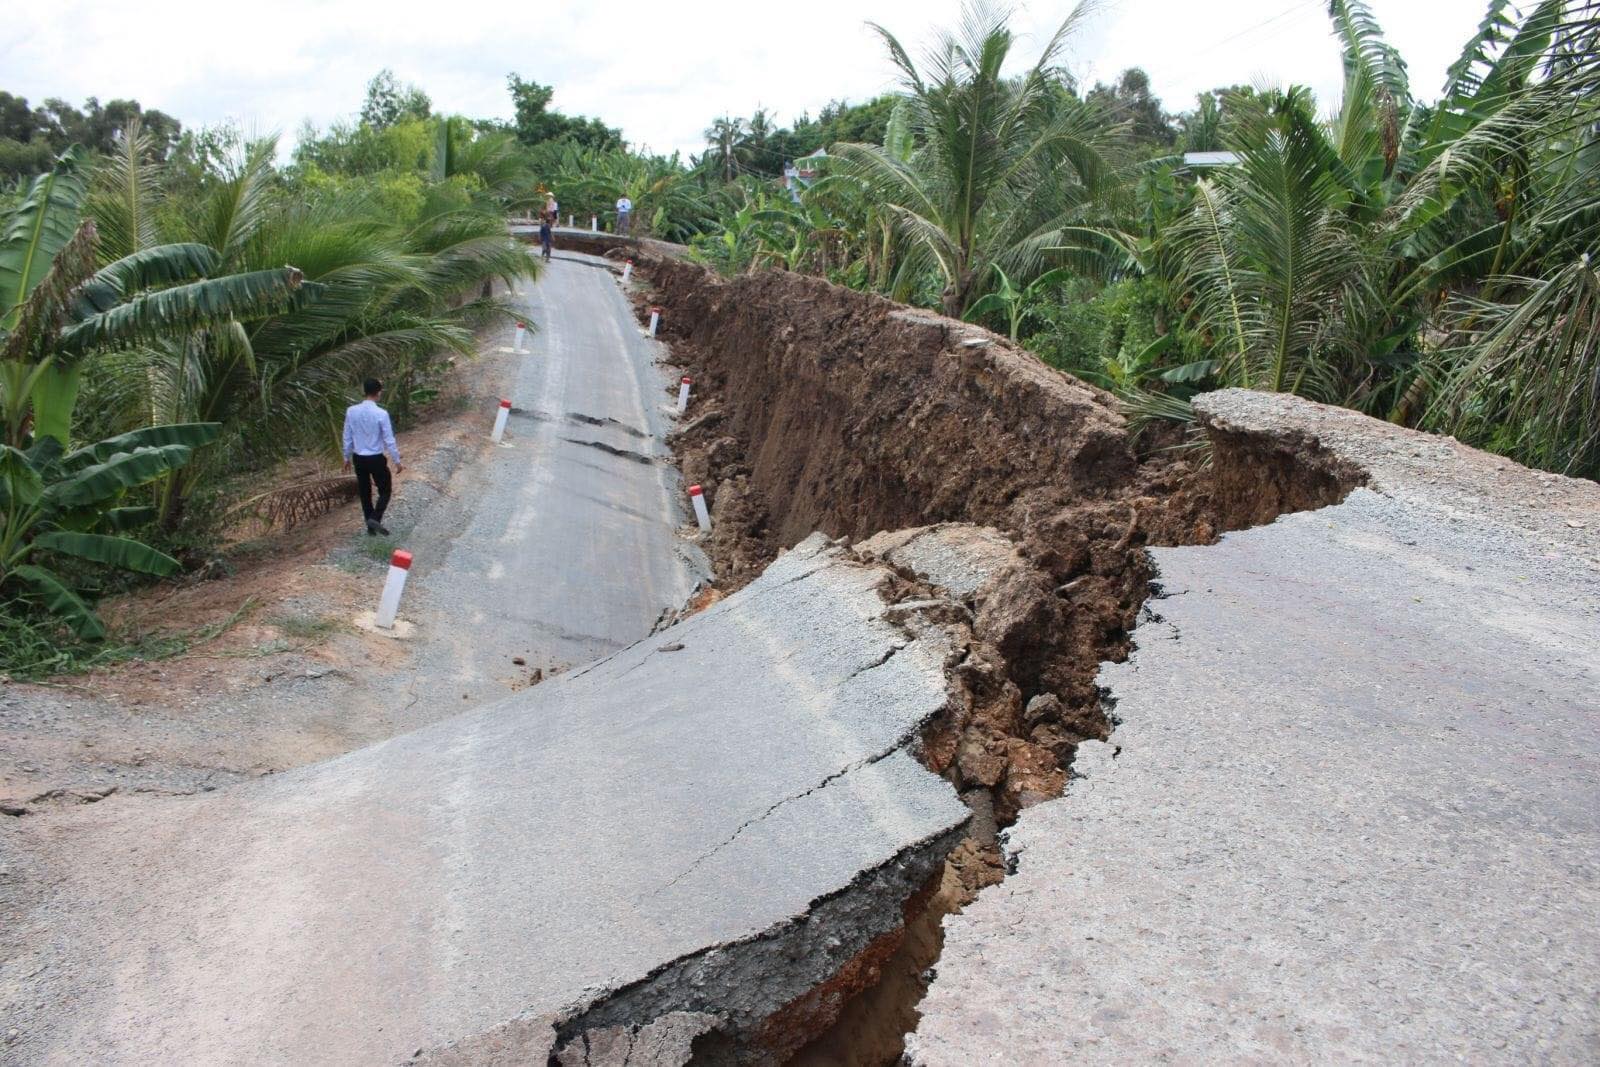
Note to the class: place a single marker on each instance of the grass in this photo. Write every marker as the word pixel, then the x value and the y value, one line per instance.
pixel 34 648
pixel 380 548
pixel 304 628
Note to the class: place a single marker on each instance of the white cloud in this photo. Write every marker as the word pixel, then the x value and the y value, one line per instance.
pixel 661 72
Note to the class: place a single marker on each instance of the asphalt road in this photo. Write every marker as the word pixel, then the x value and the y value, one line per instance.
pixel 571 548
pixel 666 823
pixel 1350 812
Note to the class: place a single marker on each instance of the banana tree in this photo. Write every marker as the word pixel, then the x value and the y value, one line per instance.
pixel 1017 303
pixel 40 228
pixel 71 505
pixel 58 309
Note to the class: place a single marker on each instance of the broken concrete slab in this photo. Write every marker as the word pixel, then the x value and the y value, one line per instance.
pixel 712 830
pixel 1349 810
pixel 957 556
pixel 1440 474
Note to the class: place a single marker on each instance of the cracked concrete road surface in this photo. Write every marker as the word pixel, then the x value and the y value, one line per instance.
pixel 594 849
pixel 1350 810
pixel 571 550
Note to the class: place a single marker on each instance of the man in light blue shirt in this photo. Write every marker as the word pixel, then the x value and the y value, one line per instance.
pixel 368 434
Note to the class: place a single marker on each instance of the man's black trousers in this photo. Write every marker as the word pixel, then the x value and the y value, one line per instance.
pixel 370 471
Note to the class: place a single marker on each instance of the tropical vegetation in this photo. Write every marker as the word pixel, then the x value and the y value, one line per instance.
pixel 179 310
pixel 174 321
pixel 1425 261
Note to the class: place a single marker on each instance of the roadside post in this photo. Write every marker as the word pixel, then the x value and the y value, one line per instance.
pixel 389 603
pixel 701 515
pixel 569 220
pixel 655 320
pixel 522 331
pixel 500 421
pixel 627 271
pixel 594 223
pixel 683 393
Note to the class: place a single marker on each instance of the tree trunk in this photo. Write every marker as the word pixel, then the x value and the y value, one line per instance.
pixel 956 293
pixel 172 500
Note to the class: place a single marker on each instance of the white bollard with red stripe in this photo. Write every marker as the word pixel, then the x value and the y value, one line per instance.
pixel 522 331
pixel 500 421
pixel 627 271
pixel 389 603
pixel 594 223
pixel 697 497
pixel 569 220
pixel 655 320
pixel 683 394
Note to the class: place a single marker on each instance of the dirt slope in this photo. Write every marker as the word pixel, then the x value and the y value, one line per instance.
pixel 858 415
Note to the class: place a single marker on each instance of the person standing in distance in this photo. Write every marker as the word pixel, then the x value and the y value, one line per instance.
pixel 624 213
pixel 368 434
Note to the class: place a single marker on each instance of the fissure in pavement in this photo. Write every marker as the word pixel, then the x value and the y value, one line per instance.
pixel 821 408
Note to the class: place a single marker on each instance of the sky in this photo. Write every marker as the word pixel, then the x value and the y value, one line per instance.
pixel 659 71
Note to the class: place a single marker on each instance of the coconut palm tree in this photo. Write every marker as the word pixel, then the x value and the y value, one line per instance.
pixel 1000 163
pixel 724 137
pixel 391 297
pixel 1419 261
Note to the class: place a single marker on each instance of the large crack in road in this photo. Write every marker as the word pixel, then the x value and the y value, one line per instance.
pixel 720 841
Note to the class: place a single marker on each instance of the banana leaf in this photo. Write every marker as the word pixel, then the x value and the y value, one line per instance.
pixel 121 552
pixel 149 267
pixel 55 394
pixel 185 307
pixel 123 471
pixel 20 484
pixel 131 518
pixel 190 434
pixel 38 228
pixel 61 602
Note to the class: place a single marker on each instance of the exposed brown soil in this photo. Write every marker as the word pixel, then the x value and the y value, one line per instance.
pixel 822 408
pixel 819 408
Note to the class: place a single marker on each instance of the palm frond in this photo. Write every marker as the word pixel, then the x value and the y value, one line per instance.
pixel 185 307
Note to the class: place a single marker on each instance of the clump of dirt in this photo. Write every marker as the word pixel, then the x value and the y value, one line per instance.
pixel 819 408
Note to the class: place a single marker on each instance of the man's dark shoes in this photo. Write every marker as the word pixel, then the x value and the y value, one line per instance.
pixel 382 528
pixel 372 528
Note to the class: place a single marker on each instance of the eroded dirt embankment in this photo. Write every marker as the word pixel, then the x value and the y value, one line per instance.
pixel 820 408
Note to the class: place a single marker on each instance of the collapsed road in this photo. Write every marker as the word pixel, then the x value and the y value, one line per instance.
pixel 706 844
pixel 1350 809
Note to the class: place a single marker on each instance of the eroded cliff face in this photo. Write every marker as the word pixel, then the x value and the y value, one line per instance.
pixel 821 408
pixel 856 415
